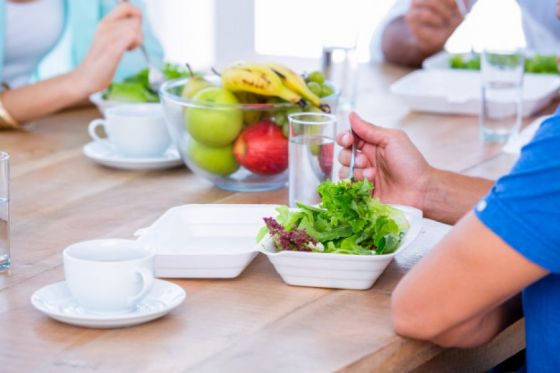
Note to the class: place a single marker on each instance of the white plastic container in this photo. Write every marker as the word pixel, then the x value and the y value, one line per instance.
pixel 205 241
pixel 449 91
pixel 338 271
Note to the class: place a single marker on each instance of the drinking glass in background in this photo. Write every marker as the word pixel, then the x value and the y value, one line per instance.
pixel 5 259
pixel 311 155
pixel 340 66
pixel 502 94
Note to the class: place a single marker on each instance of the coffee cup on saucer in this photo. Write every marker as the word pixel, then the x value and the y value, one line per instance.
pixel 134 130
pixel 108 276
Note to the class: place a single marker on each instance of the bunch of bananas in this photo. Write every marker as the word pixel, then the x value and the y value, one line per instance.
pixel 270 79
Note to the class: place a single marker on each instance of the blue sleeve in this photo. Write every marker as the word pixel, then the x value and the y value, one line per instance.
pixel 523 208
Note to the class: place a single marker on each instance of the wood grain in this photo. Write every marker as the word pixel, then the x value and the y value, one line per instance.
pixel 252 323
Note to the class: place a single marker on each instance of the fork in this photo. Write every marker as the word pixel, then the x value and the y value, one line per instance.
pixel 155 76
pixel 351 167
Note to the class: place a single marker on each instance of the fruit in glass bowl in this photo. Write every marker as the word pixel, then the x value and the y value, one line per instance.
pixel 235 134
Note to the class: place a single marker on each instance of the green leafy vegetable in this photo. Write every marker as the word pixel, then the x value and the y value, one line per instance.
pixel 538 64
pixel 129 92
pixel 462 62
pixel 136 88
pixel 348 221
pixel 542 65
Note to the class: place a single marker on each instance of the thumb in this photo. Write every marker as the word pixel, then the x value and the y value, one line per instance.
pixel 369 132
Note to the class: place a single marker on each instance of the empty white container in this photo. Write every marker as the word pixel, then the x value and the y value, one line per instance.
pixel 205 241
pixel 338 271
pixel 449 91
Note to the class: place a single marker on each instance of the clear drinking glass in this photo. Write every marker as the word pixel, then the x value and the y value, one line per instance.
pixel 5 259
pixel 340 66
pixel 311 154
pixel 502 94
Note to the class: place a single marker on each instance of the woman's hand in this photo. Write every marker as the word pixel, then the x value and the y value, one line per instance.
pixel 390 160
pixel 118 32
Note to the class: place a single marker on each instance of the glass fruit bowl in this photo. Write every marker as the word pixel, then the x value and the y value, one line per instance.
pixel 238 147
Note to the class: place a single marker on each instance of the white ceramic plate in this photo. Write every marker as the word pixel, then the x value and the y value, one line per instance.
pixel 55 301
pixel 107 156
pixel 458 91
pixel 338 271
pixel 205 241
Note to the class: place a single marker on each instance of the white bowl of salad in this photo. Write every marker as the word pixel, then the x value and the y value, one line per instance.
pixel 345 242
pixel 135 88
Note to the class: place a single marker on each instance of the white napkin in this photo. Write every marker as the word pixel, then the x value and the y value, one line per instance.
pixel 515 144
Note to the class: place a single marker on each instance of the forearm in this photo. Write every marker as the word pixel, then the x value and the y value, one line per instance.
pixel 482 329
pixel 450 195
pixel 45 97
pixel 399 45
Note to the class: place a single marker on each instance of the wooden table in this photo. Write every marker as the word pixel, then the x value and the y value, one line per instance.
pixel 252 323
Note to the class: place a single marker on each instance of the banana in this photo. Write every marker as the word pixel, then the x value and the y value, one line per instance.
pixel 257 79
pixel 295 82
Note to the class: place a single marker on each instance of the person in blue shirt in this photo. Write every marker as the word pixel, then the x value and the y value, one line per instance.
pixel 55 53
pixel 501 260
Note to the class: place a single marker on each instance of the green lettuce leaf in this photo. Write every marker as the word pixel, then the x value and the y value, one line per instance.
pixel 348 221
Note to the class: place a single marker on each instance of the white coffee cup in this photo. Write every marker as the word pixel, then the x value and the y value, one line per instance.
pixel 108 276
pixel 136 130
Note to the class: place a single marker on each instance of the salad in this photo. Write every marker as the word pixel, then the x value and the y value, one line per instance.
pixel 136 88
pixel 538 64
pixel 347 221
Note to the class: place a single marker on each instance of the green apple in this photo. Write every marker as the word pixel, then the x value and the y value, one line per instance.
pixel 219 161
pixel 194 85
pixel 214 126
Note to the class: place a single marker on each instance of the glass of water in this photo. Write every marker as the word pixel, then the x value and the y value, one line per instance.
pixel 5 260
pixel 311 155
pixel 502 94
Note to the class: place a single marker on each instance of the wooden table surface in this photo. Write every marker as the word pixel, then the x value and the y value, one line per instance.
pixel 252 323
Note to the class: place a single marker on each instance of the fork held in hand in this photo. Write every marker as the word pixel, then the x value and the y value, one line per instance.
pixel 155 76
pixel 352 158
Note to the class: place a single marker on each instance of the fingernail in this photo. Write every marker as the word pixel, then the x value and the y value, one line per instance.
pixel 368 173
pixel 346 138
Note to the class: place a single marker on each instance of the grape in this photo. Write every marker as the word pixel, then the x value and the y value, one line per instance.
pixel 280 118
pixel 317 77
pixel 286 130
pixel 315 149
pixel 326 91
pixel 293 111
pixel 315 88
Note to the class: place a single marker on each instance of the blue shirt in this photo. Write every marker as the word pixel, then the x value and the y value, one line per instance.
pixel 523 209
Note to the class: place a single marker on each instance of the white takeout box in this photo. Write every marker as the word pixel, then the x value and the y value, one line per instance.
pixel 449 91
pixel 338 271
pixel 205 241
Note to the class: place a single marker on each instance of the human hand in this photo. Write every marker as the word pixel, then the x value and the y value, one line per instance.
pixel 432 22
pixel 389 159
pixel 118 32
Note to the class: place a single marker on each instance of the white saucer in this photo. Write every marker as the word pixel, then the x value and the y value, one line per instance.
pixel 107 156
pixel 55 301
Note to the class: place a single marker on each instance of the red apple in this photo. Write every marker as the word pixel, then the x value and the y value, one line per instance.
pixel 326 159
pixel 262 148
